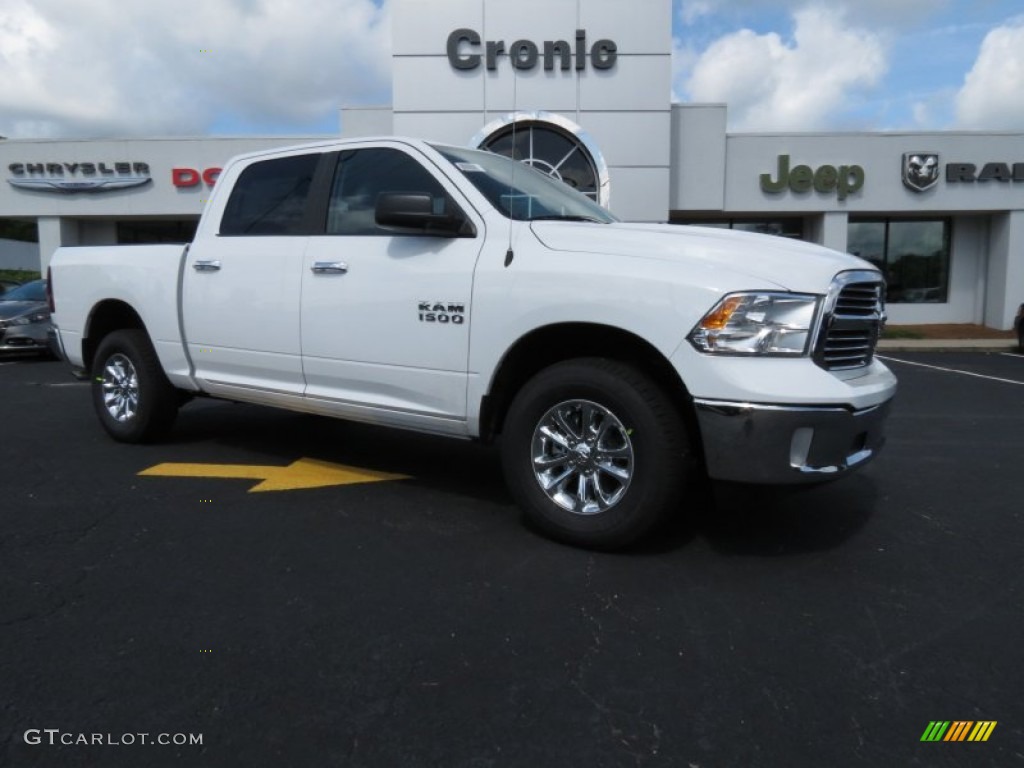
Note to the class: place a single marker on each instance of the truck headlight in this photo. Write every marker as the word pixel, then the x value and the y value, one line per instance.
pixel 757 323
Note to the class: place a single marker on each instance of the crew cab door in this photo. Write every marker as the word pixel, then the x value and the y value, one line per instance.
pixel 386 315
pixel 243 277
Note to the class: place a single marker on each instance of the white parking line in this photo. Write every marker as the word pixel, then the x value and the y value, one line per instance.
pixel 69 384
pixel 952 370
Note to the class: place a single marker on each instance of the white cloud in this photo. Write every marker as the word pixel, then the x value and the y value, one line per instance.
pixel 871 12
pixel 132 67
pixel 693 10
pixel 992 97
pixel 684 59
pixel 893 12
pixel 921 112
pixel 771 84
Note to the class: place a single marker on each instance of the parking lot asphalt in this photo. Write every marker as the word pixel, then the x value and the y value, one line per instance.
pixel 415 622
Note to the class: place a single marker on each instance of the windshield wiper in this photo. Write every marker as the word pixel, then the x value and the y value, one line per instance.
pixel 566 217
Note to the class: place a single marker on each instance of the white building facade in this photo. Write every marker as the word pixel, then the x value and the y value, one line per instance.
pixel 581 89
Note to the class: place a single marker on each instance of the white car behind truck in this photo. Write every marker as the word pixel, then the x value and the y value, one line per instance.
pixel 460 293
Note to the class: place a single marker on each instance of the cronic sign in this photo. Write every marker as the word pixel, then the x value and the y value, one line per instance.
pixel 466 50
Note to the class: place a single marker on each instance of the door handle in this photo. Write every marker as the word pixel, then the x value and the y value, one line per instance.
pixel 329 268
pixel 206 266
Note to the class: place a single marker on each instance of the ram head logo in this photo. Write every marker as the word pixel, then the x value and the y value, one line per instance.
pixel 920 170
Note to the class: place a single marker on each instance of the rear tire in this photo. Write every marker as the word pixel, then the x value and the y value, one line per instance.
pixel 595 453
pixel 133 398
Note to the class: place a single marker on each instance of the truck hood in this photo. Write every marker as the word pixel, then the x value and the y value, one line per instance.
pixel 789 264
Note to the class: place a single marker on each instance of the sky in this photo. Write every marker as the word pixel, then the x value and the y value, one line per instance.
pixel 102 68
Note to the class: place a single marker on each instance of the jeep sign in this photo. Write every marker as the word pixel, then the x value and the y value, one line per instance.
pixel 828 179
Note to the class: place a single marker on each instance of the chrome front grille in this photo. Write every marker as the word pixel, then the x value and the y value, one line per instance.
pixel 854 316
pixel 859 300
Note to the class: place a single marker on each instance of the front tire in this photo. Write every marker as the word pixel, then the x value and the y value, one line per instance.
pixel 133 398
pixel 595 453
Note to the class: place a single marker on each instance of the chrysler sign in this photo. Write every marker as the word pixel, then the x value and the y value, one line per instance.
pixel 78 177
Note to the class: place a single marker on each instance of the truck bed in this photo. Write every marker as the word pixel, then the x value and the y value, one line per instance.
pixel 145 278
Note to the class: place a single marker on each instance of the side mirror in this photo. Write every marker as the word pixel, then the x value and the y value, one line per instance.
pixel 421 214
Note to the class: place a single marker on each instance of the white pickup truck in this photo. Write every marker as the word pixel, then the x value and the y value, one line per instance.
pixel 457 292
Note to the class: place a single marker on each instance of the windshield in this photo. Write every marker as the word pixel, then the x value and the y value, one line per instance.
pixel 34 291
pixel 520 192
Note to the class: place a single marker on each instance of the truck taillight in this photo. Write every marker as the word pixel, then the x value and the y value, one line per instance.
pixel 49 290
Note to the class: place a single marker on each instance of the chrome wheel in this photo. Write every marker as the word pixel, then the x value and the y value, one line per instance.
pixel 120 383
pixel 595 452
pixel 132 397
pixel 582 457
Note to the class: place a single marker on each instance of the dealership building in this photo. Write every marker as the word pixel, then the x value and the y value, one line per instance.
pixel 581 89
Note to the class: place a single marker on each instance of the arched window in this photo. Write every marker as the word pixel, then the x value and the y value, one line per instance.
pixel 559 149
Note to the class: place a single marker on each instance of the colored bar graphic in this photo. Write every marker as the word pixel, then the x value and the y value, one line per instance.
pixel 935 731
pixel 958 730
pixel 982 730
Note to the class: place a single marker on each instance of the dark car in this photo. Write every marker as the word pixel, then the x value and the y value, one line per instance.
pixel 25 318
pixel 6 285
pixel 1019 325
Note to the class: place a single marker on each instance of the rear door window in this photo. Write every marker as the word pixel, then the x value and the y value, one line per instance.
pixel 270 197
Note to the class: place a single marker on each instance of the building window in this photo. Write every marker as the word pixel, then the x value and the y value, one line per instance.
pixel 793 228
pixel 552 145
pixel 134 232
pixel 23 230
pixel 912 254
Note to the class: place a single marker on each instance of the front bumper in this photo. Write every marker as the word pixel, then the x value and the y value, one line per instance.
pixel 772 444
pixel 23 338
